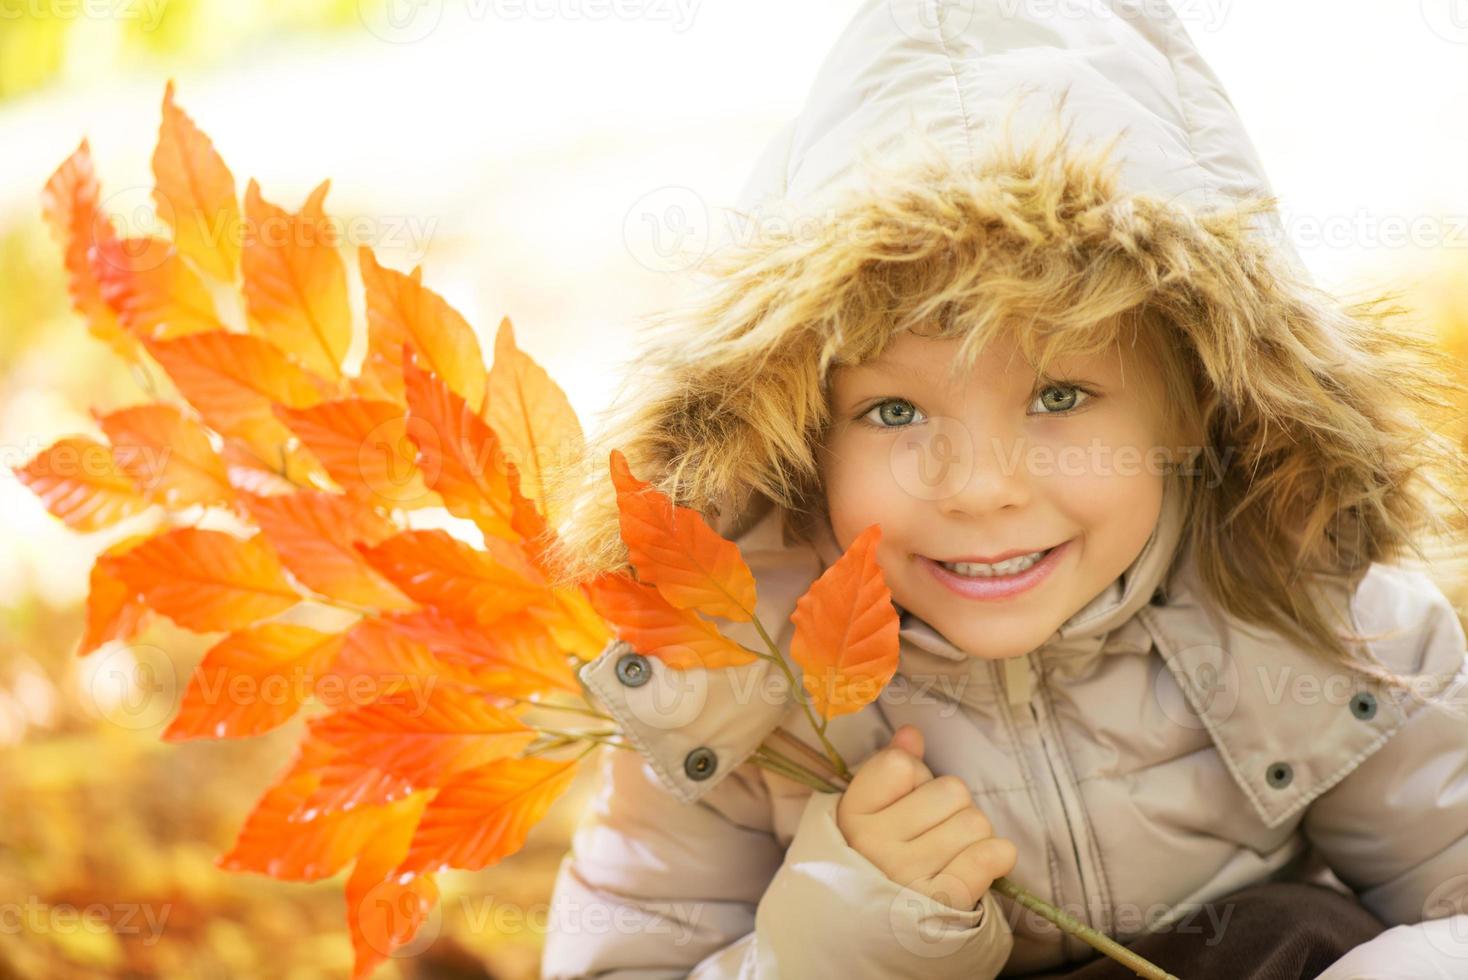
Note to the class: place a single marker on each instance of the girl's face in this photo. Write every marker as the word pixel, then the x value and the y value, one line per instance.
pixel 997 464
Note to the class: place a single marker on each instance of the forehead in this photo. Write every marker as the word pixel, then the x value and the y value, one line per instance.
pixel 936 361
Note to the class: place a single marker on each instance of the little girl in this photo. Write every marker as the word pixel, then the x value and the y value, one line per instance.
pixel 1140 487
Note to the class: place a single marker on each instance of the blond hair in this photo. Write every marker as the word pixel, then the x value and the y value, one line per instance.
pixel 1332 413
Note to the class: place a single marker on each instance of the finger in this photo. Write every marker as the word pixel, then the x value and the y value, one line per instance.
pixel 935 849
pixel 886 777
pixel 909 738
pixel 977 865
pixel 927 806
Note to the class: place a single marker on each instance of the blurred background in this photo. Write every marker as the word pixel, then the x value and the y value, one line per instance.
pixel 537 159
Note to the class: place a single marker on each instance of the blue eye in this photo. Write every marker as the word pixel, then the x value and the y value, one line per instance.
pixel 1065 403
pixel 900 418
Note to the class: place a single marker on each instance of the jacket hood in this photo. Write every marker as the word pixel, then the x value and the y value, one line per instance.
pixel 965 74
pixel 960 75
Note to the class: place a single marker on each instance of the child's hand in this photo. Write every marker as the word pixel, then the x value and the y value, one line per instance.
pixel 921 831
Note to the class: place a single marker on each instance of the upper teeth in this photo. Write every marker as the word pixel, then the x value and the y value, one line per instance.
pixel 1008 566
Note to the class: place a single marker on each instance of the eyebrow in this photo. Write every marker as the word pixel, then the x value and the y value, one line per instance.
pixel 898 367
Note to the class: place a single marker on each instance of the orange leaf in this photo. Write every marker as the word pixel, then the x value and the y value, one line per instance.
pixel 248 473
pixel 206 580
pixel 485 814
pixel 366 448
pixel 464 582
pixel 79 481
pixel 674 548
pixel 152 290
pixel 251 681
pixel 416 650
pixel 69 203
pixel 573 623
pixel 460 456
pixel 314 532
pixel 270 843
pixel 114 612
pixel 655 627
pixel 233 380
pixel 194 192
pixel 400 309
pixel 846 631
pixel 516 657
pixel 383 911
pixel 295 282
pixel 531 415
pixel 425 740
pixel 167 455
pixel 525 520
pixel 346 784
pixel 381 657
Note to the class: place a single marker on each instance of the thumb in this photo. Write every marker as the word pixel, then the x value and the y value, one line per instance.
pixel 909 738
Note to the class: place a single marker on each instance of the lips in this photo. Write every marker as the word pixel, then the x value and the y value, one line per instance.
pixel 989 589
pixel 994 561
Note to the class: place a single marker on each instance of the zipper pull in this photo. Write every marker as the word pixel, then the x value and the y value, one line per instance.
pixel 1018 684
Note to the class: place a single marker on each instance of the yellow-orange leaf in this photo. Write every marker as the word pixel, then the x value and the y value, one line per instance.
pixel 525 519
pixel 69 203
pixel 383 911
pixel 270 843
pixel 435 568
pixel 152 290
pixel 573 623
pixel 678 637
pixel 250 474
pixel 846 631
pixel 251 681
pixel 206 580
pixel 295 282
pixel 459 455
pixel 114 612
pixel 194 192
pixel 366 448
pixel 314 533
pixel 531 415
pixel 167 455
pixel 79 481
pixel 233 380
pixel 673 548
pixel 483 815
pixel 400 309
pixel 426 741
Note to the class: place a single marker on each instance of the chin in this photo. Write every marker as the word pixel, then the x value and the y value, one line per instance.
pixel 990 644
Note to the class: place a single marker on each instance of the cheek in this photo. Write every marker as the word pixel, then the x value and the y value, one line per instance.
pixel 1111 488
pixel 861 491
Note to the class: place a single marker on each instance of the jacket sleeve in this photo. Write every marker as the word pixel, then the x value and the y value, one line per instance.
pixel 1396 828
pixel 653 887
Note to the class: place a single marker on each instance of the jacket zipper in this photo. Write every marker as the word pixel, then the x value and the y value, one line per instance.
pixel 1038 717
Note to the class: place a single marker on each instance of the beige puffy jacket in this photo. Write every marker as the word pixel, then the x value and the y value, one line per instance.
pixel 1153 755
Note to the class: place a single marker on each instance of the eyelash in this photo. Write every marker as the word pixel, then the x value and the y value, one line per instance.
pixel 862 418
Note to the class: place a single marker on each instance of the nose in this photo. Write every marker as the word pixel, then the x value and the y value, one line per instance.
pixel 987 472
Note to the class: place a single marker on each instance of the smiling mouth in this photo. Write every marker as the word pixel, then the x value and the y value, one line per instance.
pixel 989 585
pixel 1012 565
